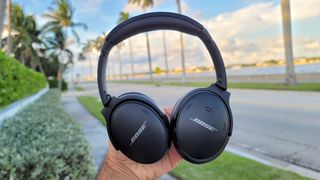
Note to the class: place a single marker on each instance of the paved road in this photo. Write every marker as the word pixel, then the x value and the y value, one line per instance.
pixel 280 124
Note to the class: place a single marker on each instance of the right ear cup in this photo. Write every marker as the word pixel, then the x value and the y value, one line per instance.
pixel 200 126
pixel 138 128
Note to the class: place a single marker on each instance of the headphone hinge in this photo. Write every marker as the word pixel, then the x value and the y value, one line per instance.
pixel 106 100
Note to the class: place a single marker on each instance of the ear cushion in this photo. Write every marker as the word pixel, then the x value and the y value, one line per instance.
pixel 200 126
pixel 138 129
pixel 132 94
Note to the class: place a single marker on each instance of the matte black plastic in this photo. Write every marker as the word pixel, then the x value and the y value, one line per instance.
pixel 201 125
pixel 138 132
pixel 155 21
pixel 125 115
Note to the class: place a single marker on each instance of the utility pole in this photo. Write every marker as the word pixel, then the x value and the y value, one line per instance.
pixel 287 37
pixel 182 48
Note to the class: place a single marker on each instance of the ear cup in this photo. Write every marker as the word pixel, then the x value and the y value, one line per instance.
pixel 200 126
pixel 134 94
pixel 138 129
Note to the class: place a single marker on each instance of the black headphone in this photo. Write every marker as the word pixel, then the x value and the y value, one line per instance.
pixel 201 121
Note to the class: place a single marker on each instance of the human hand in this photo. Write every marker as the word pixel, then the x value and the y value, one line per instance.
pixel 118 166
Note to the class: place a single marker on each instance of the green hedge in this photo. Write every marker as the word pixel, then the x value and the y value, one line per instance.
pixel 17 81
pixel 43 142
pixel 53 83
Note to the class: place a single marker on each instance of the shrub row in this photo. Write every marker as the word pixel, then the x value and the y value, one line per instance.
pixel 17 81
pixel 53 83
pixel 43 142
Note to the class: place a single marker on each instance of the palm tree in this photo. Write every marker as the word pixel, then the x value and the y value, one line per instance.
pixel 86 49
pixel 165 52
pixel 2 14
pixel 9 38
pixel 144 4
pixel 286 19
pixel 61 19
pixel 119 46
pixel 123 17
pixel 57 48
pixel 27 42
pixel 182 47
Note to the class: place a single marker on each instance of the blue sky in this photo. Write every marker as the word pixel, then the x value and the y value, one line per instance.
pixel 246 31
pixel 102 15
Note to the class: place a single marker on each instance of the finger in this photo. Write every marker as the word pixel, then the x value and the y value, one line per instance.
pixel 168 111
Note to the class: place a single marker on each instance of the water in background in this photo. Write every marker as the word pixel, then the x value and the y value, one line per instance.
pixel 273 70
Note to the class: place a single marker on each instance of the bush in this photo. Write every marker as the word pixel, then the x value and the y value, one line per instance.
pixel 17 81
pixel 53 83
pixel 43 142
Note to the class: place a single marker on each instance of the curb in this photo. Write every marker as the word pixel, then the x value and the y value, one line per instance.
pixel 15 107
pixel 269 161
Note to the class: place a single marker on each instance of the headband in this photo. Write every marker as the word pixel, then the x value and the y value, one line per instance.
pixel 155 21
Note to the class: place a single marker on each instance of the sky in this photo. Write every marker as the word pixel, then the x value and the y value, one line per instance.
pixel 246 31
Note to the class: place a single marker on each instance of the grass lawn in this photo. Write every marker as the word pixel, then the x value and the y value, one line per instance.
pixel 93 106
pixel 227 166
pixel 78 88
pixel 230 166
pixel 269 86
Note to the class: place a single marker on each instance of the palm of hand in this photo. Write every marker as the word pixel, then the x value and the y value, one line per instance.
pixel 126 168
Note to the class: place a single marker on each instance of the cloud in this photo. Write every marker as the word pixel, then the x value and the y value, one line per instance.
pixel 247 35
pixel 135 8
pixel 88 6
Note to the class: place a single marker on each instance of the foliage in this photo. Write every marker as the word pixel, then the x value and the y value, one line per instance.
pixel 93 106
pixel 17 81
pixel 144 4
pixel 53 83
pixel 123 16
pixel 61 18
pixel 230 166
pixel 27 43
pixel 78 88
pixel 158 70
pixel 43 142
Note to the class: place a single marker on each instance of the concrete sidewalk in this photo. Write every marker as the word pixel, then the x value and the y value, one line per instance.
pixel 95 132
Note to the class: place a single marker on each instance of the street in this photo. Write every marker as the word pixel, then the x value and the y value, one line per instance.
pixel 280 124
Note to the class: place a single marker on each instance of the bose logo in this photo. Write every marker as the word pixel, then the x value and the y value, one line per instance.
pixel 203 124
pixel 138 133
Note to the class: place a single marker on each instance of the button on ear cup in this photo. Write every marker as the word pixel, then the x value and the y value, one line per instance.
pixel 139 132
pixel 201 126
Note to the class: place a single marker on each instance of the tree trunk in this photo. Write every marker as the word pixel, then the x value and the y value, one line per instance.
pixel 90 68
pixel 2 14
pixel 59 76
pixel 9 39
pixel 286 22
pixel 165 52
pixel 120 63
pixel 131 59
pixel 149 57
pixel 22 59
pixel 182 47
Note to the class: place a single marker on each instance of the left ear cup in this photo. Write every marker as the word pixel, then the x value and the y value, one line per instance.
pixel 200 126
pixel 138 129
